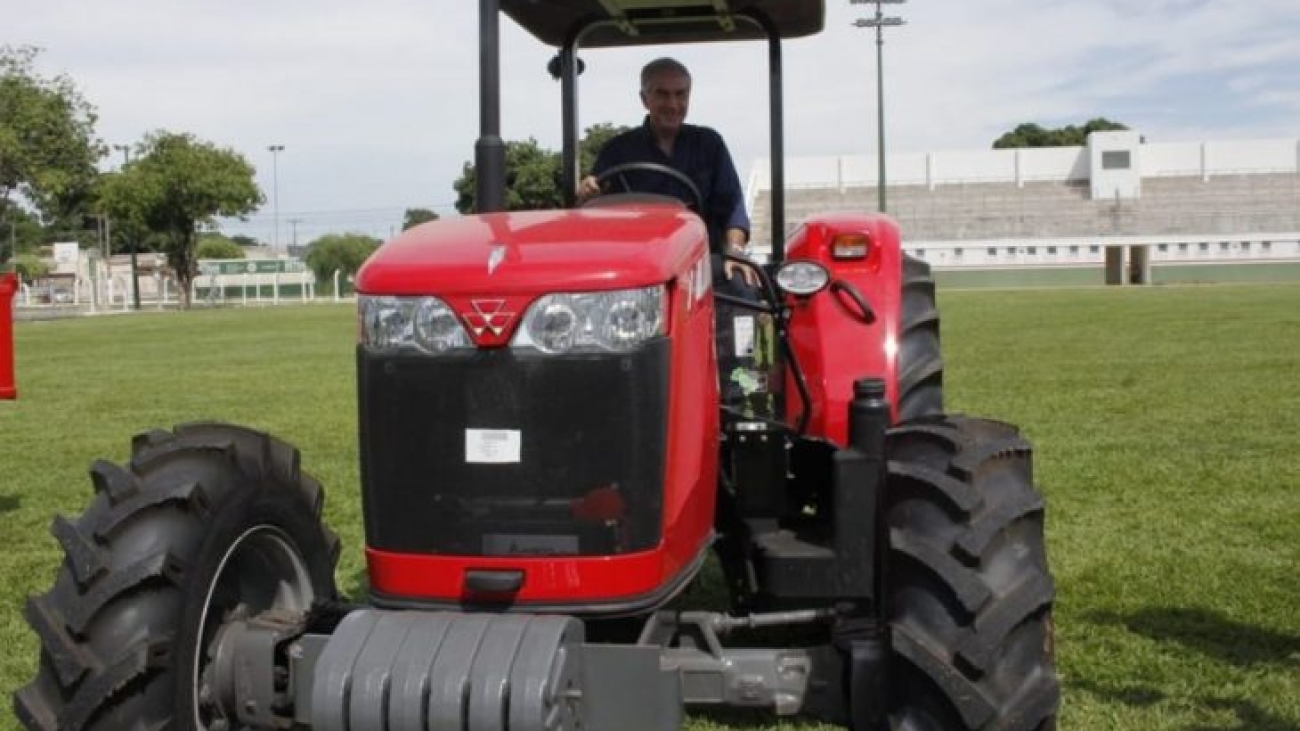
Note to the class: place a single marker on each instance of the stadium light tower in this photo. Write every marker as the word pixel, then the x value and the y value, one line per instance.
pixel 879 22
pixel 275 151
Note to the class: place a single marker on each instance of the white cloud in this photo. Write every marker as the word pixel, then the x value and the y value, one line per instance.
pixel 377 106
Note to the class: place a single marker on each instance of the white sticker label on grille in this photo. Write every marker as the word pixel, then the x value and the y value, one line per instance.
pixel 492 446
pixel 744 336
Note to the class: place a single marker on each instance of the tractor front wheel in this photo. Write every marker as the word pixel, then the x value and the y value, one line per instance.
pixel 203 524
pixel 968 593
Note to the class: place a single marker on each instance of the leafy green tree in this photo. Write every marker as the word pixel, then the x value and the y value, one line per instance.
pixel 416 216
pixel 532 179
pixel 1032 135
pixel 533 175
pixel 30 267
pixel 215 246
pixel 244 241
pixel 48 148
pixel 593 141
pixel 176 185
pixel 20 232
pixel 344 253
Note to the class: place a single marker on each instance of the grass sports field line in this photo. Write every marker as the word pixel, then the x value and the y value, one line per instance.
pixel 1165 422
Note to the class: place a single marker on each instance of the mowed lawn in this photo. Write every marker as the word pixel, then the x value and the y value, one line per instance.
pixel 1166 423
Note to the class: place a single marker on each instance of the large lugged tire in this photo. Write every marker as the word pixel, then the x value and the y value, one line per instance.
pixel 968 593
pixel 920 366
pixel 202 522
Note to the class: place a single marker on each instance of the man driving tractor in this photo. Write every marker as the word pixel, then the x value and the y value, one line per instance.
pixel 698 152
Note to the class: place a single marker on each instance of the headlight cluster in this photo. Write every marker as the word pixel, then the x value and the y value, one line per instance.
pixel 618 321
pixel 420 324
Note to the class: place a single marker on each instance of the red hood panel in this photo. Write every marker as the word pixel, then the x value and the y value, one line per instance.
pixel 537 251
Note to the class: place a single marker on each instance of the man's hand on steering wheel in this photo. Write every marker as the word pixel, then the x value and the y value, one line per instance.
pixel 588 188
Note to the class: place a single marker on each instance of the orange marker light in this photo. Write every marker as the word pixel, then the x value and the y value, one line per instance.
pixel 850 246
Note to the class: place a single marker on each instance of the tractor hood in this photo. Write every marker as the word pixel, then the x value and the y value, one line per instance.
pixel 532 252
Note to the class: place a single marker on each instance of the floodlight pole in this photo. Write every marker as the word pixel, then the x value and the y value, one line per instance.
pixel 879 22
pixel 275 151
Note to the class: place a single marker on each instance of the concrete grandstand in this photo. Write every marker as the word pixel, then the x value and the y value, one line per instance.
pixel 1116 210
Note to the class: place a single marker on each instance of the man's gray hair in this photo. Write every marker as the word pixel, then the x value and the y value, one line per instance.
pixel 652 70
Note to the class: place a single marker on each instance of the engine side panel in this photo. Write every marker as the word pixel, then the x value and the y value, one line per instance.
pixel 834 346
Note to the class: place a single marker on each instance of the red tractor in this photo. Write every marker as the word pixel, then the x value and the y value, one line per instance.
pixel 560 421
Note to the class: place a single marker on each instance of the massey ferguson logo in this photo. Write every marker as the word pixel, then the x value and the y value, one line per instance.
pixel 488 316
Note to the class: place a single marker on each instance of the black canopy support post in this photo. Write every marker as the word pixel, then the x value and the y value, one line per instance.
pixel 489 151
pixel 776 107
pixel 570 157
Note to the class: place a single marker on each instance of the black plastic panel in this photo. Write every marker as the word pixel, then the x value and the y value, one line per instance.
pixel 663 22
pixel 588 476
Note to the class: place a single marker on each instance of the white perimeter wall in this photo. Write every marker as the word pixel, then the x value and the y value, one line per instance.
pixel 1160 159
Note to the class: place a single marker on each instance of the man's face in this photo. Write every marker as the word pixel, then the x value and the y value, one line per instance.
pixel 666 99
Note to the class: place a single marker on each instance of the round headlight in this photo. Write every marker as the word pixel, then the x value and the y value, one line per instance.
pixel 437 328
pixel 386 323
pixel 802 278
pixel 554 326
pixel 630 318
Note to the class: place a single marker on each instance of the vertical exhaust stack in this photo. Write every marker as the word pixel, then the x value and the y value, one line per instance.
pixel 8 286
pixel 490 150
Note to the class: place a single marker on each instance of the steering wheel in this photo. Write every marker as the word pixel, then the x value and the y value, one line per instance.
pixel 651 167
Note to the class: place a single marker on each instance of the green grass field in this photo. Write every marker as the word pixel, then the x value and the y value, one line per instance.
pixel 1166 423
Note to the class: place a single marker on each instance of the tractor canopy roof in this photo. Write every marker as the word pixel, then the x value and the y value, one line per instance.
pixel 596 23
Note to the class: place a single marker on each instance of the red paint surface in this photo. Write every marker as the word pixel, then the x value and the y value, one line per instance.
pixel 8 286
pixel 833 347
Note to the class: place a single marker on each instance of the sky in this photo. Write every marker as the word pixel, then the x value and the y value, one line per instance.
pixel 375 102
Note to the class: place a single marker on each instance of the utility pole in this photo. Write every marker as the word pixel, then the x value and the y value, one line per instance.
pixel 275 151
pixel 294 222
pixel 879 22
pixel 135 267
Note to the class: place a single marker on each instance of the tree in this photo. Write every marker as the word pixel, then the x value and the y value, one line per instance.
pixel 30 267
pixel 593 141
pixel 20 232
pixel 532 179
pixel 48 148
pixel 416 216
pixel 344 253
pixel 533 174
pixel 176 185
pixel 1032 135
pixel 215 246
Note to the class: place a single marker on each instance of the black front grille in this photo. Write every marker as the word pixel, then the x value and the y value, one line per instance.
pixel 589 475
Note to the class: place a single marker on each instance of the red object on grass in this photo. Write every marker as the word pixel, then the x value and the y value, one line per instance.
pixel 8 286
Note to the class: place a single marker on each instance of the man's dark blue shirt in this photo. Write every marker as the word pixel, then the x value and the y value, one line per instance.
pixel 699 153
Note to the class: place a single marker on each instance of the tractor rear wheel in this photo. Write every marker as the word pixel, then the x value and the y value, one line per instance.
pixel 920 367
pixel 968 593
pixel 203 523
